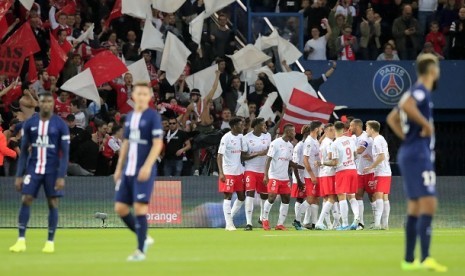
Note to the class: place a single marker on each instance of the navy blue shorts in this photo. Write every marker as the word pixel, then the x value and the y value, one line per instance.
pixel 417 172
pixel 130 190
pixel 33 181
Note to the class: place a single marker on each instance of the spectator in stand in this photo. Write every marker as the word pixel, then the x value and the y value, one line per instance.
pixel 447 15
pixel 75 135
pixel 429 49
pixel 370 30
pixel 436 38
pixel 258 96
pixel 315 83
pixel 13 137
pixel 64 44
pixel 176 145
pixel 405 30
pixel 63 104
pixel 287 6
pixel 231 95
pixel 80 117
pixel 315 48
pixel 131 49
pixel 253 111
pixel 86 158
pixel 169 25
pixel 153 72
pixel 315 13
pixel 346 8
pixel 28 104
pixel 347 44
pixel 101 134
pixel 306 4
pixel 388 53
pixel 337 23
pixel 61 24
pixel 112 41
pixel 4 150
pixel 39 84
pixel 123 94
pixel 222 38
pixel 225 118
pixel 188 11
pixel 41 37
pixel 426 11
pixel 457 34
pixel 98 110
pixel 110 151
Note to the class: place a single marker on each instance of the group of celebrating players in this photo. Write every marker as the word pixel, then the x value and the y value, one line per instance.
pixel 327 163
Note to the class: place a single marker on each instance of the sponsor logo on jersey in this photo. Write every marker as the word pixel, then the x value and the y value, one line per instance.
pixel 390 82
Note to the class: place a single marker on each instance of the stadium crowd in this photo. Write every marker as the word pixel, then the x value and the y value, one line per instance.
pixel 192 123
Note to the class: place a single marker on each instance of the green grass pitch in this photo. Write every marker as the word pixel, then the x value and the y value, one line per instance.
pixel 88 252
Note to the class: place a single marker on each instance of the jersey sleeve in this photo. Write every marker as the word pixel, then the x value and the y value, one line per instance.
pixel 362 143
pixel 127 127
pixel 295 154
pixel 223 143
pixel 334 152
pixel 272 150
pixel 157 130
pixel 307 149
pixel 419 95
pixel 378 147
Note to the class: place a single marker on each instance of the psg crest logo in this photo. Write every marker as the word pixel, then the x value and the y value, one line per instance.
pixel 389 82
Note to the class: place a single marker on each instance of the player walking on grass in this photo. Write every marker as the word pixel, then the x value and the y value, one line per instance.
pixel 363 160
pixel 279 158
pixel 298 184
pixel 382 175
pixel 136 169
pixel 412 121
pixel 231 179
pixel 254 148
pixel 45 164
pixel 343 158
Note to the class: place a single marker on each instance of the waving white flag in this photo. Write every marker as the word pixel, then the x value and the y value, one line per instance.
pixel 83 85
pixel 135 8
pixel 174 58
pixel 265 111
pixel 211 6
pixel 139 71
pixel 152 38
pixel 168 6
pixel 286 82
pixel 287 51
pixel 203 80
pixel 248 57
pixel 27 4
pixel 196 28
pixel 265 42
pixel 243 110
pixel 87 35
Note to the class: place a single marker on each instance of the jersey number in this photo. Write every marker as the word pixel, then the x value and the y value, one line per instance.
pixel 429 178
pixel 247 179
pixel 349 153
pixel 229 182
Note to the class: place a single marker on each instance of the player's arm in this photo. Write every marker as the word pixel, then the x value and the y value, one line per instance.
pixel 187 146
pixel 380 158
pixel 146 169
pixel 393 120
pixel 267 168
pixel 297 177
pixel 308 167
pixel 123 153
pixel 23 156
pixel 64 158
pixel 332 160
pixel 214 87
pixel 219 158
pixel 409 106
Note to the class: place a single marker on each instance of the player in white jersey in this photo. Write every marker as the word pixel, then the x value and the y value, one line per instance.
pixel 255 146
pixel 298 184
pixel 343 153
pixel 279 158
pixel 363 160
pixel 383 174
pixel 231 178
pixel 326 181
pixel 310 158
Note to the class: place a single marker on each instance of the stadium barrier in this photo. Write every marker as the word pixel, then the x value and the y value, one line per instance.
pixel 193 202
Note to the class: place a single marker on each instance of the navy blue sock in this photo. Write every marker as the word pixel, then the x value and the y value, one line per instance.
pixel 424 231
pixel 410 238
pixel 23 219
pixel 141 231
pixel 130 222
pixel 52 222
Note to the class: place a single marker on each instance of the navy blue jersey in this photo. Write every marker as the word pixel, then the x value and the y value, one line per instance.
pixel 412 130
pixel 49 143
pixel 140 129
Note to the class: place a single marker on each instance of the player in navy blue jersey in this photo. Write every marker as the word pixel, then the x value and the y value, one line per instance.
pixel 136 170
pixel 412 121
pixel 43 162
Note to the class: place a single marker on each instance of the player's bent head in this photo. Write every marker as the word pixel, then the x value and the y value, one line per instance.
pixel 374 125
pixel 328 125
pixel 426 63
pixel 234 122
pixel 315 125
pixel 339 126
pixel 357 122
pixel 288 127
pixel 305 130
pixel 257 121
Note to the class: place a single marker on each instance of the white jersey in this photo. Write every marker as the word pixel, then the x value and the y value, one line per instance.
pixel 298 158
pixel 343 149
pixel 281 153
pixel 361 161
pixel 230 148
pixel 325 149
pixel 312 152
pixel 380 146
pixel 252 144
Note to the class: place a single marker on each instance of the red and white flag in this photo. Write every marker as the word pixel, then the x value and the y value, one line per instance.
pixel 105 66
pixel 115 13
pixel 304 108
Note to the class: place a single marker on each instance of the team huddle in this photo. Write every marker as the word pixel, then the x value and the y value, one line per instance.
pixel 327 163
